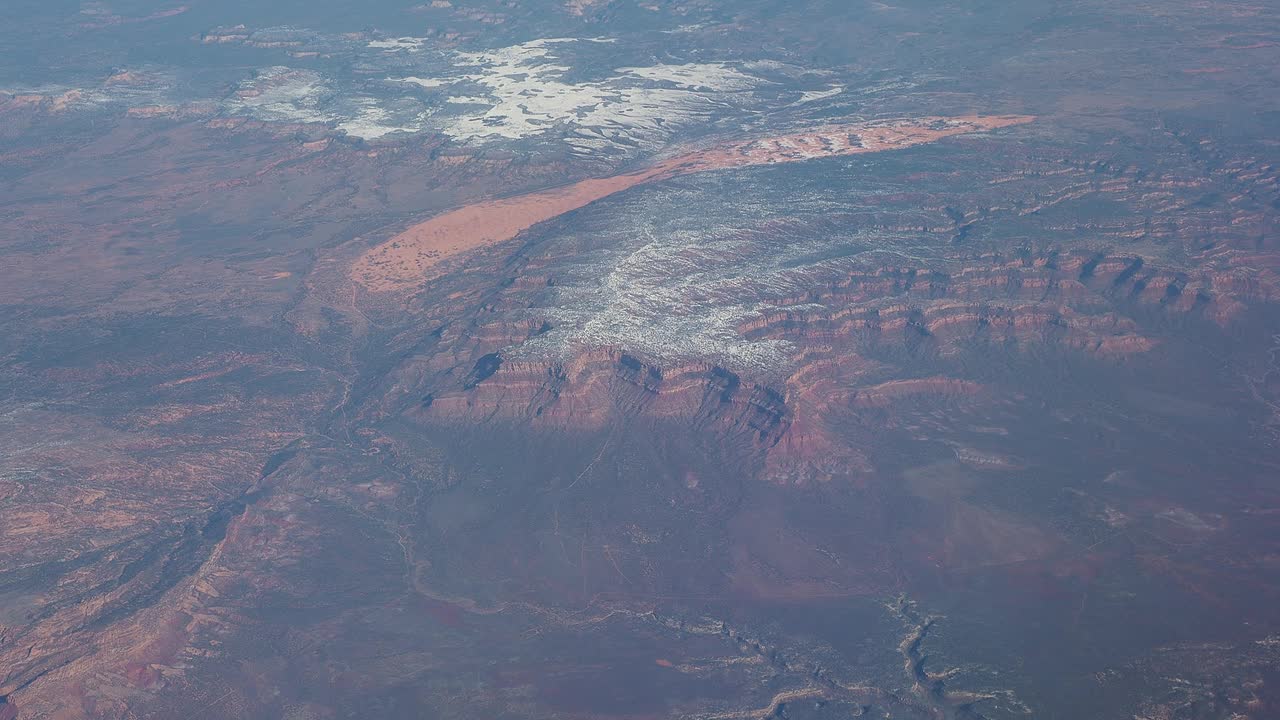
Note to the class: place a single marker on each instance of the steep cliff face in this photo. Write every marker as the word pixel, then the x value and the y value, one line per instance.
pixel 800 326
pixel 858 345
pixel 601 387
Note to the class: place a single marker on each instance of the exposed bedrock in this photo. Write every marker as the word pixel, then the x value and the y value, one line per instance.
pixel 858 345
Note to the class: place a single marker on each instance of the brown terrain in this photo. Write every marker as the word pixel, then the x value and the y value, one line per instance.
pixel 302 426
pixel 211 483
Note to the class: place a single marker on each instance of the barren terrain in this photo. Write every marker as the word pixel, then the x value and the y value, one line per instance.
pixel 409 258
pixel 612 360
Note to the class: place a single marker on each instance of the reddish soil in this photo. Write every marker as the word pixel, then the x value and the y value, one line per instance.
pixel 408 259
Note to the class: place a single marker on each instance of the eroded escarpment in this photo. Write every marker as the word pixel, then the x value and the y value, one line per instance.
pixel 895 295
pixel 859 345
